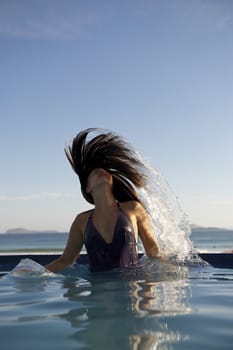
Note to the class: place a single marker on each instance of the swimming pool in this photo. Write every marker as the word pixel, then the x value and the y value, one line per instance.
pixel 155 306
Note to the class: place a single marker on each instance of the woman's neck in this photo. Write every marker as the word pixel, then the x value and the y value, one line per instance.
pixel 104 202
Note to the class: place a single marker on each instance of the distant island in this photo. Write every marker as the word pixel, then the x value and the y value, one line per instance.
pixel 196 228
pixel 25 230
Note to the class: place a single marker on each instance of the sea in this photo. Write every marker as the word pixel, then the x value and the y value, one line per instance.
pixel 204 240
pixel 156 306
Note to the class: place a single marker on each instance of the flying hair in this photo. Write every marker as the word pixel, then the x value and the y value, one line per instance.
pixel 107 150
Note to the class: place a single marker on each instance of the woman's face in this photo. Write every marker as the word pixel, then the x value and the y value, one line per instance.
pixel 98 176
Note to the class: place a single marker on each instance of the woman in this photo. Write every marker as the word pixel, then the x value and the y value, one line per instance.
pixel 109 172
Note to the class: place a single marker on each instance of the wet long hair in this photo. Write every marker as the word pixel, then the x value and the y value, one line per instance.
pixel 114 154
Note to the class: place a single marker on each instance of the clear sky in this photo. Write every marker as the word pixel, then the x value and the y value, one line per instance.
pixel 158 72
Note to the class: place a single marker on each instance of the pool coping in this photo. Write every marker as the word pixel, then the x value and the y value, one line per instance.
pixel 9 260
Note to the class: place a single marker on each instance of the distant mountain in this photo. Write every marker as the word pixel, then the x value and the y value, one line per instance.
pixel 196 228
pixel 25 230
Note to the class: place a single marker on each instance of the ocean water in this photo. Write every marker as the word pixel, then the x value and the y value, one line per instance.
pixel 212 241
pixel 155 306
pixel 32 242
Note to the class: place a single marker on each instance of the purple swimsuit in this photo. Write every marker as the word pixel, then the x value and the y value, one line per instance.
pixel 121 252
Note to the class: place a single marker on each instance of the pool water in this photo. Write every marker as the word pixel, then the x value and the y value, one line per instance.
pixel 152 307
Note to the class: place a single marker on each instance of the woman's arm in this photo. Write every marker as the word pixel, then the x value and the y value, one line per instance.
pixel 146 233
pixel 72 249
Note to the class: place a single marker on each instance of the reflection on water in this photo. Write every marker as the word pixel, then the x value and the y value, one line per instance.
pixel 159 298
pixel 121 312
pixel 114 310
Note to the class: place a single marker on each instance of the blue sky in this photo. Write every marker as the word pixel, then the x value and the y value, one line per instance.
pixel 158 72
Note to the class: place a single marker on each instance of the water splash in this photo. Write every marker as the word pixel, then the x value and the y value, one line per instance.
pixel 28 268
pixel 170 224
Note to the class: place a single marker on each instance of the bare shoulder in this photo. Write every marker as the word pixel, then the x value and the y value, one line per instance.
pixel 132 207
pixel 80 220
